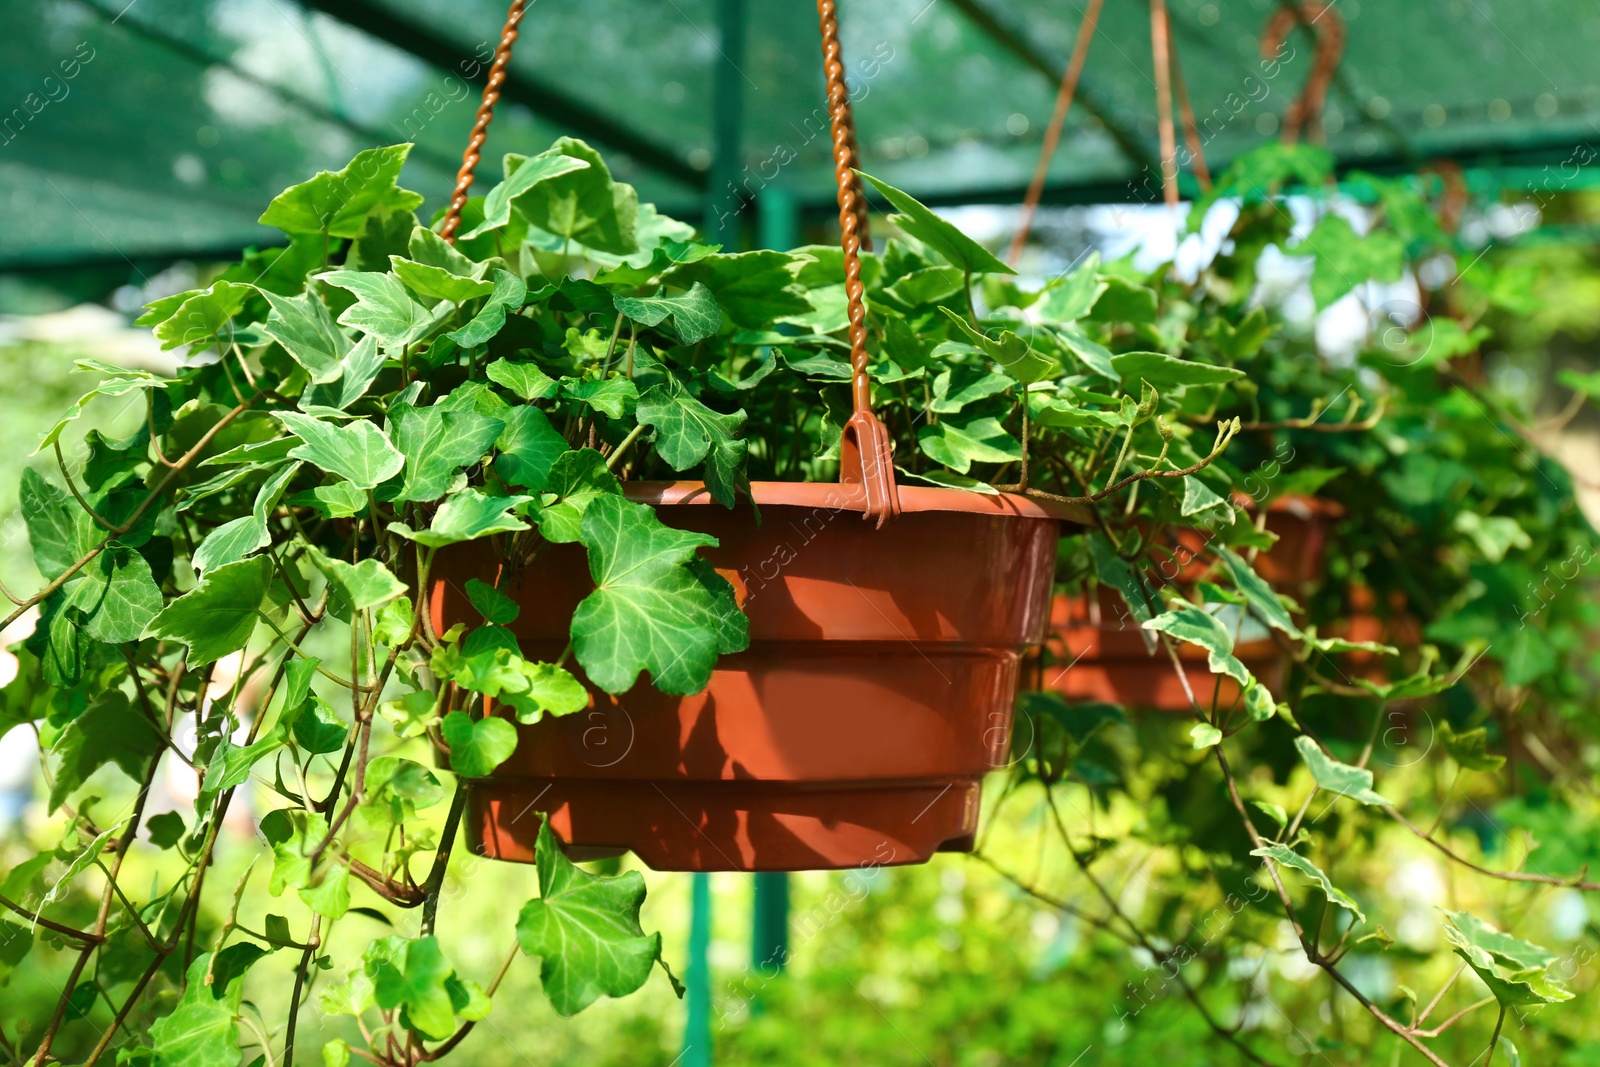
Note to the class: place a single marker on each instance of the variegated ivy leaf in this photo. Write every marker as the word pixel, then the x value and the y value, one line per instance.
pixel 1336 777
pixel 240 537
pixel 358 452
pixel 115 381
pixel 1264 603
pixel 383 308
pixel 436 444
pixel 522 174
pixel 1196 626
pixel 1516 971
pixel 338 203
pixel 306 330
pixel 507 294
pixel 1287 857
pixel 219 615
pixel 466 516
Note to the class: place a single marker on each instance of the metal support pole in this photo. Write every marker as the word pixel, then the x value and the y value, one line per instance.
pixel 726 191
pixel 724 207
pixel 697 1030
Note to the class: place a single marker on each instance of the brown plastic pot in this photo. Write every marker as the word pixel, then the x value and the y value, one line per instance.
pixel 876 692
pixel 1099 653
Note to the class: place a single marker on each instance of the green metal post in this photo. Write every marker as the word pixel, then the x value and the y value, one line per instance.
pixel 726 190
pixel 724 204
pixel 697 1031
pixel 769 933
pixel 780 218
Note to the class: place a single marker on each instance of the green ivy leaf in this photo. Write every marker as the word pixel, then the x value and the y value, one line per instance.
pixel 522 174
pixel 1196 626
pixel 412 714
pixel 508 294
pixel 576 480
pixel 612 397
pixel 238 538
pixel 60 532
pixel 1470 748
pixel 165 830
pixel 436 444
pixel 529 446
pixel 1071 298
pixel 550 691
pixel 202 315
pixel 201 1030
pixel 687 432
pixel 1013 355
pixel 411 975
pixel 958 445
pixel 467 516
pixel 753 289
pixel 110 730
pixel 1263 601
pixel 524 379
pixel 941 236
pixel 1287 857
pixel 492 604
pixel 217 617
pixel 478 746
pixel 695 315
pixel 317 727
pixel 338 202
pixel 117 596
pixel 1345 259
pixel 582 204
pixel 1169 373
pixel 383 308
pixel 1336 777
pixel 305 329
pixel 1515 971
pixel 585 930
pixel 358 452
pixel 650 610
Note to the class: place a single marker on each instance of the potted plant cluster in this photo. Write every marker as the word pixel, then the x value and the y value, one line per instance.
pixel 427 505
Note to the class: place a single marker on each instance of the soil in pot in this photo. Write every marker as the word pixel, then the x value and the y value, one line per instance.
pixel 876 692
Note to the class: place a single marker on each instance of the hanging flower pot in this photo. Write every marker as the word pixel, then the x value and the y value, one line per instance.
pixel 1098 652
pixel 876 691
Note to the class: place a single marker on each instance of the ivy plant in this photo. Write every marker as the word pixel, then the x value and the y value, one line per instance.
pixel 236 586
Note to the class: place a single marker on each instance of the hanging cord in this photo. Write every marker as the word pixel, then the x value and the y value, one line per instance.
pixel 1325 23
pixel 1161 50
pixel 865 456
pixel 1191 129
pixel 1052 135
pixel 480 127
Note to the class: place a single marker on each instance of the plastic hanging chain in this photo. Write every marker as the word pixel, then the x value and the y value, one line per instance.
pixel 480 127
pixel 865 456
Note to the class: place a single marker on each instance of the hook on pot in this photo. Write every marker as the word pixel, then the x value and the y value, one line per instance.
pixel 865 456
